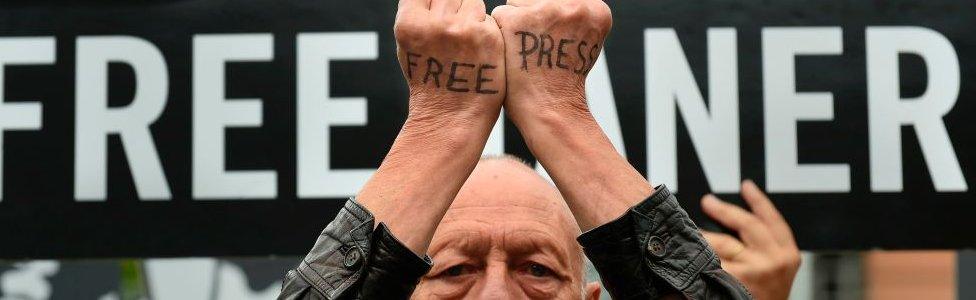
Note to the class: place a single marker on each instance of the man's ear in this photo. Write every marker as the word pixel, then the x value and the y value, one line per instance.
pixel 593 291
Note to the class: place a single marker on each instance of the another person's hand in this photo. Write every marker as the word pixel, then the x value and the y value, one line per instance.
pixel 452 55
pixel 550 47
pixel 765 257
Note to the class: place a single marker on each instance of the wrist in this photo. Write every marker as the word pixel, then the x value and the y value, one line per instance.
pixel 543 106
pixel 435 136
pixel 597 182
pixel 429 111
pixel 464 126
pixel 558 128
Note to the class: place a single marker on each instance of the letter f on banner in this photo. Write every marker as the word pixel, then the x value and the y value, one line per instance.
pixel 21 116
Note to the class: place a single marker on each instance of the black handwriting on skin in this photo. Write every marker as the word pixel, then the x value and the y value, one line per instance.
pixel 457 77
pixel 540 47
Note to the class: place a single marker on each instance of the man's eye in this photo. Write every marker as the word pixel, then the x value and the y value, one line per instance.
pixel 538 270
pixel 455 271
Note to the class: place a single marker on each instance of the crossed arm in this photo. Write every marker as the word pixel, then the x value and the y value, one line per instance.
pixel 532 57
pixel 536 67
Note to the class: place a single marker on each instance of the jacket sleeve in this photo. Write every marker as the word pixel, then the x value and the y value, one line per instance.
pixel 655 250
pixel 351 260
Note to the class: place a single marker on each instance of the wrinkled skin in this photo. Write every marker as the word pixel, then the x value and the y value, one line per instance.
pixel 550 83
pixel 508 235
pixel 451 31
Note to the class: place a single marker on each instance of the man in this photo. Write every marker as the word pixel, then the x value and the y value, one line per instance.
pixel 513 238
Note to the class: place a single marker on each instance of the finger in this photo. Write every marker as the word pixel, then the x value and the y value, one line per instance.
pixel 493 25
pixel 726 246
pixel 753 231
pixel 445 7
pixel 474 9
pixel 767 212
pixel 502 14
pixel 491 22
pixel 414 4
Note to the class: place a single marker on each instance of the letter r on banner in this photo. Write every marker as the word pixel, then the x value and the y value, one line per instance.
pixel 888 112
pixel 95 120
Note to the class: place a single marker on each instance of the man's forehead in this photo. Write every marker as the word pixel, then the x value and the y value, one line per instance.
pixel 497 197
pixel 505 189
pixel 504 201
pixel 509 184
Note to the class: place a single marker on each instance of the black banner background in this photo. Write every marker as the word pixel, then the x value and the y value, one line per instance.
pixel 40 219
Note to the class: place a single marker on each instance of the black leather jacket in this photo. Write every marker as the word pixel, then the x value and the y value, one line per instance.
pixel 652 251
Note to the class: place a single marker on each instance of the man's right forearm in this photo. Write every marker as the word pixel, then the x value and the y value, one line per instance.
pixel 419 178
pixel 376 246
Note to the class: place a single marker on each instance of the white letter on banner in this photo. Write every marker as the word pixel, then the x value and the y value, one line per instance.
pixel 20 116
pixel 888 112
pixel 318 111
pixel 213 113
pixel 784 107
pixel 95 120
pixel 714 132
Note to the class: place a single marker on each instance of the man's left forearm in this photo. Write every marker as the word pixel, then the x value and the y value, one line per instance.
pixel 599 184
pixel 640 240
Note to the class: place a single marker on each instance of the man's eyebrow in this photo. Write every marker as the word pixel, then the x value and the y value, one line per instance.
pixel 466 241
pixel 531 241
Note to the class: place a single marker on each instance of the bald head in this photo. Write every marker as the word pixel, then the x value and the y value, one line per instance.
pixel 508 234
pixel 507 183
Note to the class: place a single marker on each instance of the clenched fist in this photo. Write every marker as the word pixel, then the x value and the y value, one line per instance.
pixel 451 53
pixel 550 46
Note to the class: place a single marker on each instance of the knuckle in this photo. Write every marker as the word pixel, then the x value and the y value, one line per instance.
pixel 551 8
pixel 787 264
pixel 573 10
pixel 402 29
pixel 408 30
pixel 501 12
pixel 601 14
pixel 751 222
pixel 795 260
pixel 782 266
pixel 455 30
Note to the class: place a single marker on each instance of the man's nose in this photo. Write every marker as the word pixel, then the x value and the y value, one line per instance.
pixel 497 284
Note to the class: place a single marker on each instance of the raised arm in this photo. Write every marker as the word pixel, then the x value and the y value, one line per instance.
pixel 551 47
pixel 451 54
pixel 640 240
